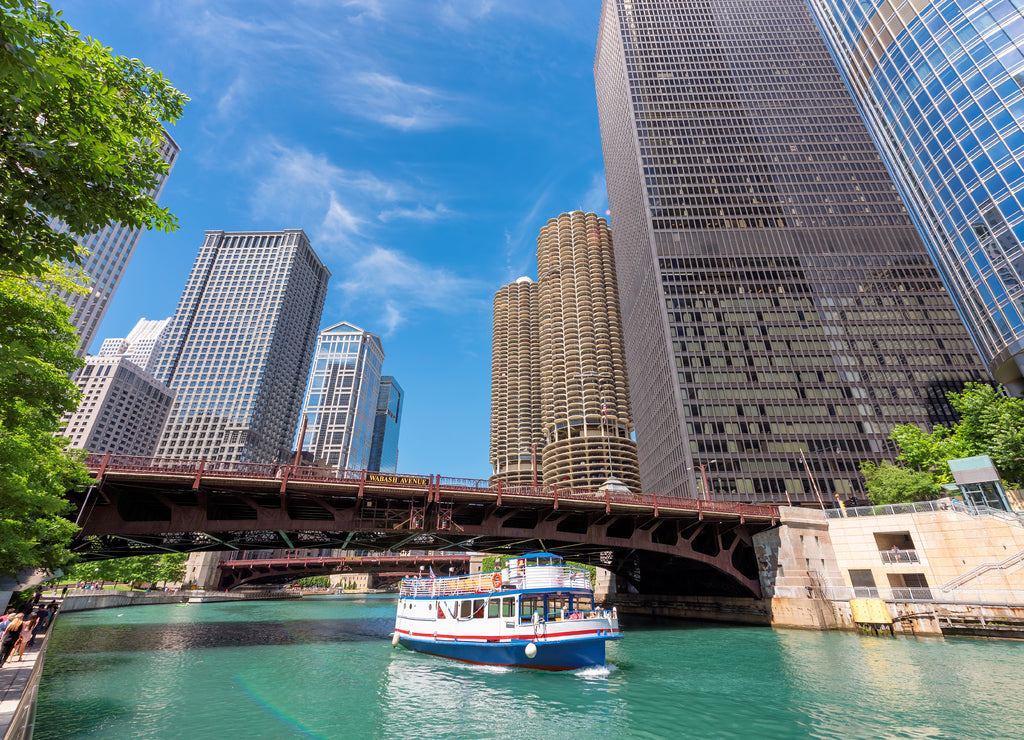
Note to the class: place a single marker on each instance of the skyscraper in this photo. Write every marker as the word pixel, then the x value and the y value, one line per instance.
pixel 517 434
pixel 341 398
pixel 776 298
pixel 109 251
pixel 238 348
pixel 123 407
pixel 387 423
pixel 142 345
pixel 562 341
pixel 941 88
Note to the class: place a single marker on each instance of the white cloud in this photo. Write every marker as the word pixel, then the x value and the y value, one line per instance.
pixel 419 213
pixel 393 102
pixel 388 276
pixel 295 185
pixel 595 200
pixel 366 8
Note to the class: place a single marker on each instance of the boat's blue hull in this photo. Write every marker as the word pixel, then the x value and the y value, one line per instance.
pixel 557 655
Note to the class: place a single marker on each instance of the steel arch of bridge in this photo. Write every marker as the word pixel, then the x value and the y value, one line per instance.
pixel 656 544
pixel 248 571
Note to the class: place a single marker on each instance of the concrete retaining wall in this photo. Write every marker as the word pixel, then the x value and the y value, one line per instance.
pixel 81 603
pixel 707 608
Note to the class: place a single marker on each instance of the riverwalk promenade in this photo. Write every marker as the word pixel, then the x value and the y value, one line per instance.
pixel 19 681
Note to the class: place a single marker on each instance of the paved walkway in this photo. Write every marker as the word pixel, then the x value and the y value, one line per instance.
pixel 15 677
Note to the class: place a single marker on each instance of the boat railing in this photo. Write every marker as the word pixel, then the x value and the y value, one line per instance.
pixel 534 576
pixel 567 615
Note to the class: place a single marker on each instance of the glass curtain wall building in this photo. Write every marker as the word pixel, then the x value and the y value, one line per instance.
pixel 941 87
pixel 109 251
pixel 386 426
pixel 238 348
pixel 778 303
pixel 341 399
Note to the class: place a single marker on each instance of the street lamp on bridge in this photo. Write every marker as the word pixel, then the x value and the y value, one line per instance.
pixel 704 476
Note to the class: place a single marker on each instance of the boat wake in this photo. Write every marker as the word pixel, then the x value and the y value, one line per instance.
pixel 597 671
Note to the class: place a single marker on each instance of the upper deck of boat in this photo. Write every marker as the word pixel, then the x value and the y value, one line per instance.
pixel 519 574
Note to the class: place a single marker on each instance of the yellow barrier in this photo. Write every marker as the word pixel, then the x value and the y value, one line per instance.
pixel 870 611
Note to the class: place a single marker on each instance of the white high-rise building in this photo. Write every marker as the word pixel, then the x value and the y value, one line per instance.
pixel 123 408
pixel 238 348
pixel 109 251
pixel 341 398
pixel 141 346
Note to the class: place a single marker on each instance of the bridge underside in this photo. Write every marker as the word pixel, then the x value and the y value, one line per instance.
pixel 235 573
pixel 666 550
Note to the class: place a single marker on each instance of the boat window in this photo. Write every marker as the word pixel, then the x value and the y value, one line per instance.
pixel 465 609
pixel 556 604
pixel 529 605
pixel 583 603
pixel 493 608
pixel 440 611
pixel 508 607
pixel 478 608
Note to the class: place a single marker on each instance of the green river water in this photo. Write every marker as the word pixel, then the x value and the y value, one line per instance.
pixel 325 668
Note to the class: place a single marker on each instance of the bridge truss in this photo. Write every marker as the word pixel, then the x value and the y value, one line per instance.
pixel 654 544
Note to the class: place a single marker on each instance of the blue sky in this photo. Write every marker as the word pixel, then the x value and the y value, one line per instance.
pixel 420 143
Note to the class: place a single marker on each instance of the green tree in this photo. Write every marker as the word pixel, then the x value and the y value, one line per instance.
pixel 991 423
pixel 895 484
pixel 80 131
pixel 36 355
pixel 171 568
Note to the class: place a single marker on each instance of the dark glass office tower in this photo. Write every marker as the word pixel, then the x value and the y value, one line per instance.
pixel 776 298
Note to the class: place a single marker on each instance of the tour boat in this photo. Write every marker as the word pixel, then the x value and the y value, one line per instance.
pixel 536 612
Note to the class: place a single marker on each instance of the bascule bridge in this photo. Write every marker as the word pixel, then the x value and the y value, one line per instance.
pixel 654 545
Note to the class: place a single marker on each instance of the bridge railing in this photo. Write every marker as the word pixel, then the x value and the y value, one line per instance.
pixel 263 471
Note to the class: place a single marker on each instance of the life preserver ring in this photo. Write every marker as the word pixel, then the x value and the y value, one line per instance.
pixel 496 580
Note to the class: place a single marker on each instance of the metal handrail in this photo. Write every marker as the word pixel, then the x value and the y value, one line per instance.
pixel 994 596
pixel 983 568
pixel 899 556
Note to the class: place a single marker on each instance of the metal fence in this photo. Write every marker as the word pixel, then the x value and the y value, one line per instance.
pixel 942 504
pixel 982 596
pixel 899 556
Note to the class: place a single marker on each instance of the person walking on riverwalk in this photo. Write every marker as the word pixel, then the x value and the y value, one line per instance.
pixel 28 625
pixel 42 620
pixel 10 636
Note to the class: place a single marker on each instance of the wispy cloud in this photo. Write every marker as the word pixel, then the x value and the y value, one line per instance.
pixel 396 103
pixel 382 275
pixel 595 200
pixel 299 187
pixel 419 213
pixel 293 183
pixel 520 238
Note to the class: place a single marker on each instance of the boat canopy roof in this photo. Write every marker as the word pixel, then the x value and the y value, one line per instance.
pixel 538 556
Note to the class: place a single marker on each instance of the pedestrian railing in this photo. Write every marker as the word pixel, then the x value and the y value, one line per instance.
pixel 899 556
pixel 1011 562
pixel 944 504
pixel 986 597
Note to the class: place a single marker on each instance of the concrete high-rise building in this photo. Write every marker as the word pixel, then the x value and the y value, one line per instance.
pixel 517 433
pixel 776 297
pixel 238 348
pixel 142 345
pixel 387 424
pixel 109 251
pixel 341 398
pixel 559 342
pixel 123 408
pixel 941 88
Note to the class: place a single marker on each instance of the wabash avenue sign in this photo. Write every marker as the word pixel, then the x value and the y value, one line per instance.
pixel 402 480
